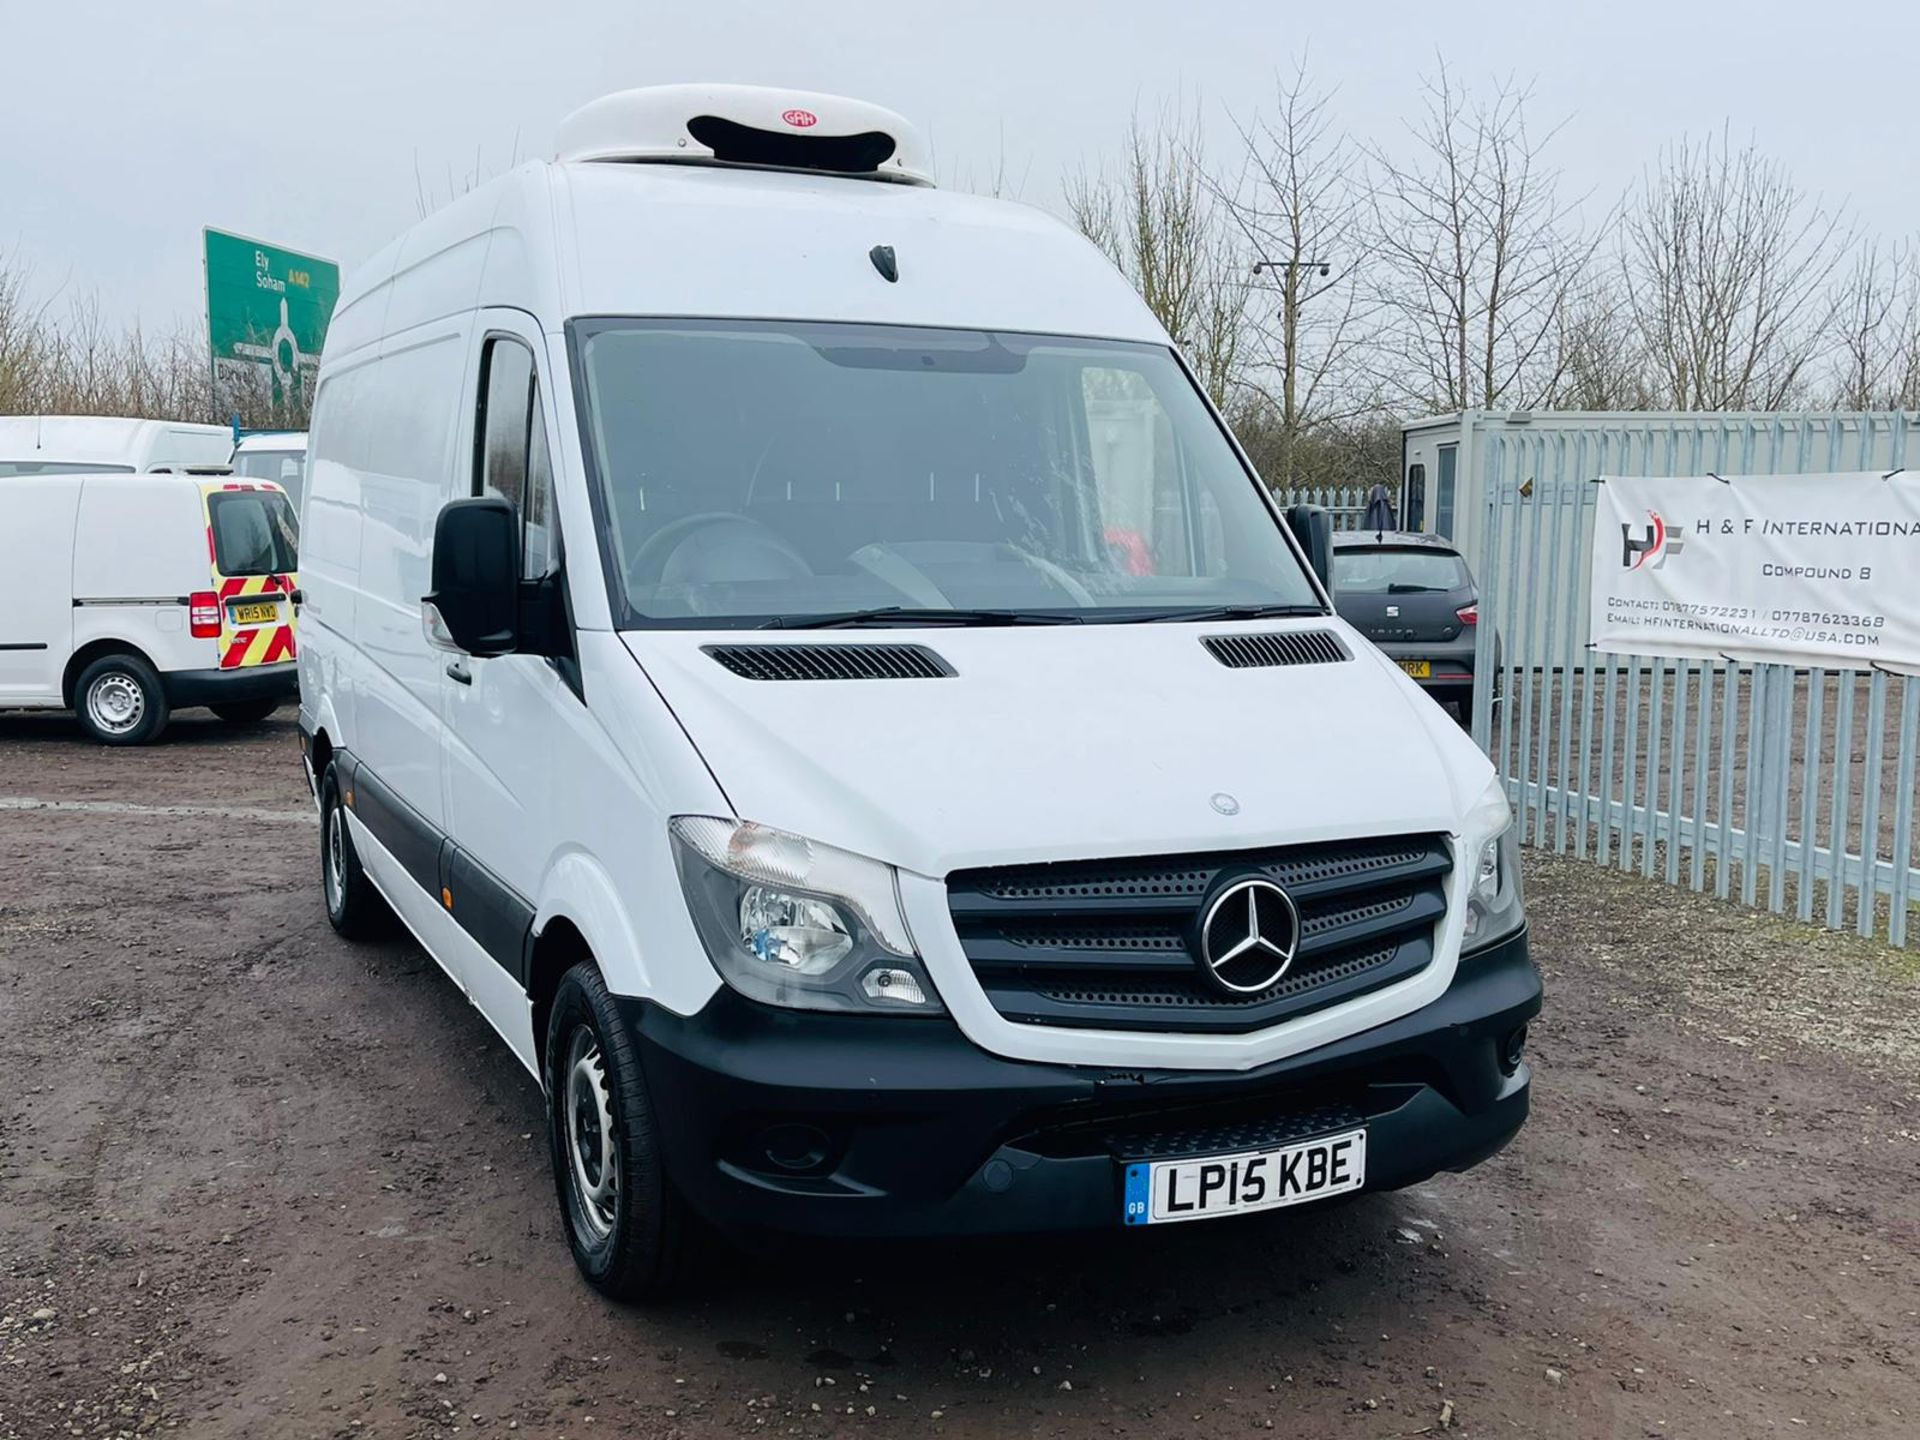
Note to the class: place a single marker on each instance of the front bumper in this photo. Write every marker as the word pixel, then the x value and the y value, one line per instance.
pixel 898 1127
pixel 231 687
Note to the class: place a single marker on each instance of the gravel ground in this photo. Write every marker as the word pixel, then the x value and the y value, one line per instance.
pixel 255 1181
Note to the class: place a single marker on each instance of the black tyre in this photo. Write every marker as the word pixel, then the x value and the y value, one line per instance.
pixel 120 701
pixel 626 1224
pixel 245 712
pixel 354 907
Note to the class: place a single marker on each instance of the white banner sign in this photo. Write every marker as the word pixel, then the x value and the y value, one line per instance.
pixel 1794 569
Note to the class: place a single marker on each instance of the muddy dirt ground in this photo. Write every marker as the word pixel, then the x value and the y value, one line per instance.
pixel 255 1181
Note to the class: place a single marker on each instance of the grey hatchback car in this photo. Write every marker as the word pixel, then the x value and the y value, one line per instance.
pixel 1413 596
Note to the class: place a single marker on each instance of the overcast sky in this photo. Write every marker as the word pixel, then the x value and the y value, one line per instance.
pixel 124 127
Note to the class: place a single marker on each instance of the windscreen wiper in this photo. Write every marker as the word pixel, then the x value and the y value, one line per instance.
pixel 902 615
pixel 1205 613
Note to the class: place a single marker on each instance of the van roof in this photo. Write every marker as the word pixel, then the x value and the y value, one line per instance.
pixel 80 439
pixel 272 441
pixel 598 237
pixel 200 477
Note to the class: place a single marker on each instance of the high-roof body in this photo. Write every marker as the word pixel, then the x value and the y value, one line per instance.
pixel 672 227
pixel 110 440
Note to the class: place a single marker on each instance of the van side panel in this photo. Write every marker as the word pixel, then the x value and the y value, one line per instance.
pixel 330 511
pixel 36 593
pixel 139 552
pixel 139 537
pixel 402 412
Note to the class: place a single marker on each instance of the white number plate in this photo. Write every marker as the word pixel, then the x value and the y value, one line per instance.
pixel 1163 1191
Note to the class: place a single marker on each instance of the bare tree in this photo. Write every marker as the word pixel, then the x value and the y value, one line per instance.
pixel 1600 363
pixel 1298 206
pixel 1477 255
pixel 1161 224
pixel 22 338
pixel 73 362
pixel 1729 268
pixel 1877 328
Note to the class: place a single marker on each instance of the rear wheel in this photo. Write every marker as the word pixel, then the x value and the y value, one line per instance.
pixel 120 701
pixel 245 712
pixel 625 1222
pixel 354 907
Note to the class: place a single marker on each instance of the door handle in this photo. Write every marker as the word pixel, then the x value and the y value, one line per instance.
pixel 458 671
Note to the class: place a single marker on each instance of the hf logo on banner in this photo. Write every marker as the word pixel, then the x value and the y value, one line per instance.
pixel 1659 539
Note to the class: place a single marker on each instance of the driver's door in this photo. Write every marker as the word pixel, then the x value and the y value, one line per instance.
pixel 500 711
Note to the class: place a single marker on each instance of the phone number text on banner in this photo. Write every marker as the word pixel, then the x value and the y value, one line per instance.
pixel 1780 569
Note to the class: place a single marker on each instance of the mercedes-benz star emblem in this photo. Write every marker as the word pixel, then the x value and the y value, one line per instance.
pixel 1248 936
pixel 1225 803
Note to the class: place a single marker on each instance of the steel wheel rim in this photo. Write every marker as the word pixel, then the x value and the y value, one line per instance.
pixel 116 703
pixel 336 860
pixel 593 1151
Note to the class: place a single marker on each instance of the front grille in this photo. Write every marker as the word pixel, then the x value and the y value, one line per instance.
pixel 1109 944
pixel 1175 1141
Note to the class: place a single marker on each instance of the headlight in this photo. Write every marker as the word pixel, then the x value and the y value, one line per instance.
pixel 1495 905
pixel 789 921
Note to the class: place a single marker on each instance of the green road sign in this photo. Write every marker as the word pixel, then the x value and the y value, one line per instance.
pixel 267 314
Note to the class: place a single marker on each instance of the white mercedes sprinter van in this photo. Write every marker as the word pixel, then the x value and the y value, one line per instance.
pixel 800 651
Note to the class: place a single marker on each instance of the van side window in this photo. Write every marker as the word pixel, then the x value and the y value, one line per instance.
pixel 512 459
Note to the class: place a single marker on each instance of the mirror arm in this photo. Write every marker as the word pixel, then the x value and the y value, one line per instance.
pixel 1312 526
pixel 543 617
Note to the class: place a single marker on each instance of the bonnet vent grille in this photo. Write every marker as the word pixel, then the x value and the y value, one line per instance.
pixel 831 662
pixel 1287 647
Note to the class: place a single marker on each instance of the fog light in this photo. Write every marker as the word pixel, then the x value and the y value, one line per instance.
pixel 794 1148
pixel 1511 1049
pixel 893 985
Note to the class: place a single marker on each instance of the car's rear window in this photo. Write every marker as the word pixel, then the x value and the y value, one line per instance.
pixel 1388 571
pixel 61 467
pixel 254 532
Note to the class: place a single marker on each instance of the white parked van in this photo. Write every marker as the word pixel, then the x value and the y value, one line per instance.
pixel 126 597
pixel 100 444
pixel 276 455
pixel 801 652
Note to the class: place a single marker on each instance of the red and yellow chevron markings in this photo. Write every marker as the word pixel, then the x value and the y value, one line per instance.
pixel 257 644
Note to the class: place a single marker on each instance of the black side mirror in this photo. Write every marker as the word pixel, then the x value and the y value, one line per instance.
pixel 1312 526
pixel 475 604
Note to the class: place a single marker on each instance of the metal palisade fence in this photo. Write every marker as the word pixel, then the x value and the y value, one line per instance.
pixel 1346 503
pixel 1791 788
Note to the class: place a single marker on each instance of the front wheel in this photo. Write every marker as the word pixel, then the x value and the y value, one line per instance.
pixel 245 712
pixel 625 1222
pixel 354 907
pixel 120 701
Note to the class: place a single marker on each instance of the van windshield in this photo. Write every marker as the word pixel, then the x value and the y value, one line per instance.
pixel 775 473
pixel 254 532
pixel 286 468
